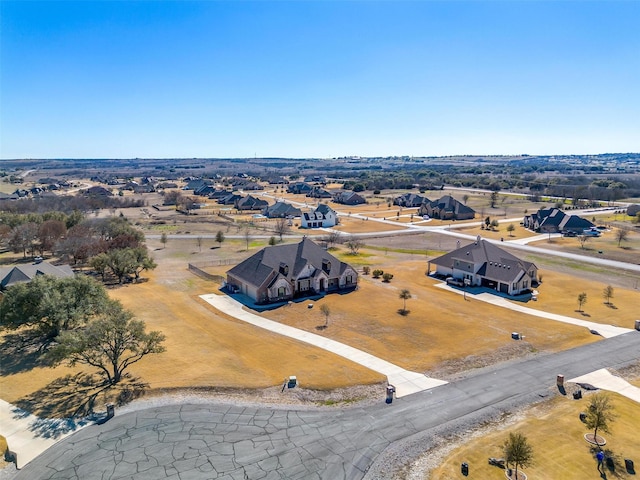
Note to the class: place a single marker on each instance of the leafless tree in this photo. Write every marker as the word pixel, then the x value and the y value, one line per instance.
pixel 354 244
pixel 281 227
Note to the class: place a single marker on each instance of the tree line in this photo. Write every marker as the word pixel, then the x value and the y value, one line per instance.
pixel 110 246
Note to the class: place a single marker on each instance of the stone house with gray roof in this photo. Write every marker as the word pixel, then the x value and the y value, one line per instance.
pixel 283 272
pixel 446 208
pixel 281 210
pixel 554 220
pixel 483 263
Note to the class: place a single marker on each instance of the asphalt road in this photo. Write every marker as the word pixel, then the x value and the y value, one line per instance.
pixel 237 442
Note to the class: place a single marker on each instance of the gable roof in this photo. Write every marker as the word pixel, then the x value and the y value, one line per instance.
pixel 287 261
pixel 24 273
pixel 281 209
pixel 496 263
pixel 450 204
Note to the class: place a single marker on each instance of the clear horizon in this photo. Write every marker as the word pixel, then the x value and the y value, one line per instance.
pixel 305 79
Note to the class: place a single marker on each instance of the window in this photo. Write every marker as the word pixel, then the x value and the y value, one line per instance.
pixel 349 279
pixel 282 291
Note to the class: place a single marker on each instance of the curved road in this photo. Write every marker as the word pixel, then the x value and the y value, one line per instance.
pixel 238 442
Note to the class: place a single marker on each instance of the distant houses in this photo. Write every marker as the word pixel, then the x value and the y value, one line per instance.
pixel 446 208
pixel 321 217
pixel 283 272
pixel 483 263
pixel 554 220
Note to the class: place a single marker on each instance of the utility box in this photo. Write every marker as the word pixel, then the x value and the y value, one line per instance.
pixel 638 325
pixel 293 381
pixel 464 468
pixel 390 391
pixel 628 464
pixel 560 380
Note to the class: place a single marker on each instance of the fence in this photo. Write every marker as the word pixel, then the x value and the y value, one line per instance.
pixel 210 276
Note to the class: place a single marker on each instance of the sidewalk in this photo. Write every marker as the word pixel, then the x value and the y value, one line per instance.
pixel 405 381
pixel 28 436
pixel 606 331
pixel 604 380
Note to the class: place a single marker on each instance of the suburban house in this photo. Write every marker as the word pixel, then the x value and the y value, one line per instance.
pixel 446 208
pixel 319 192
pixel 25 273
pixel 281 210
pixel 283 272
pixel 322 216
pixel 250 203
pixel 410 200
pixel 485 264
pixel 229 199
pixel 633 210
pixel 299 187
pixel 347 197
pixel 554 220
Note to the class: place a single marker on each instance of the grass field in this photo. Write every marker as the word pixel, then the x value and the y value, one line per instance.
pixel 207 349
pixel 557 436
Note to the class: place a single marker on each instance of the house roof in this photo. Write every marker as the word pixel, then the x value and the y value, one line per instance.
pixel 281 209
pixel 349 197
pixel 411 199
pixel 24 273
pixel 448 203
pixel 496 263
pixel 286 261
pixel 250 201
pixel 557 218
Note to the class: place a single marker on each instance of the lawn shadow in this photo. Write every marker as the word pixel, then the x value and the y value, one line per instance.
pixel 613 463
pixel 68 401
pixel 21 352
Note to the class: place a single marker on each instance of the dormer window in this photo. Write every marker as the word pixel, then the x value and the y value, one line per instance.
pixel 284 269
pixel 326 265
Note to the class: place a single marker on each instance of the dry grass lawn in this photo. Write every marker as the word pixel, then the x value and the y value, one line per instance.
pixel 442 334
pixel 557 437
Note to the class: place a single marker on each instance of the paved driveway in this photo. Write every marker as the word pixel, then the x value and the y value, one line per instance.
pixel 231 442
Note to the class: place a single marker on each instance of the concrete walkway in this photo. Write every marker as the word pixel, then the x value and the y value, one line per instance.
pixel 606 331
pixel 604 380
pixel 28 436
pixel 405 381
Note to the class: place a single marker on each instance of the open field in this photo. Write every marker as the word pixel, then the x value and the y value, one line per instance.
pixel 605 246
pixel 556 434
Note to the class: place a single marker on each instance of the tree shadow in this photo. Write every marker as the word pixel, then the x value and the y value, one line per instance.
pixel 613 463
pixel 70 401
pixel 611 305
pixel 403 312
pixel 21 352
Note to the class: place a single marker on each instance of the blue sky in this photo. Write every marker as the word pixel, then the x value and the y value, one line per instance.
pixel 318 79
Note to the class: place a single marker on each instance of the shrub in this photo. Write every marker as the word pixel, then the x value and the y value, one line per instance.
pixel 377 273
pixel 387 277
pixel 366 270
